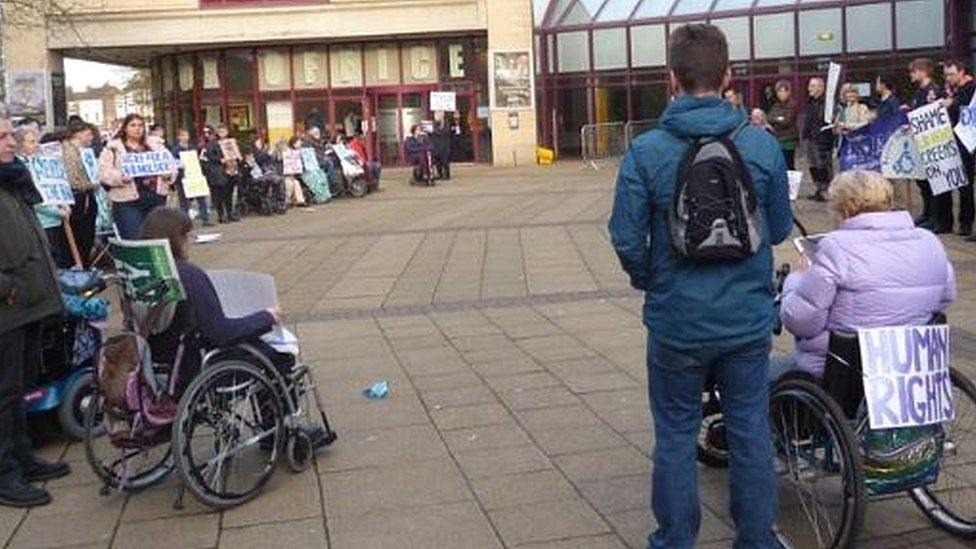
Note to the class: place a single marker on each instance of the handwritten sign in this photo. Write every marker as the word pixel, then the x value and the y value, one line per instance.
pixel 861 149
pixel 91 164
pixel 291 161
pixel 50 178
pixel 833 78
pixel 194 182
pixel 966 127
pixel 147 163
pixel 937 148
pixel 309 161
pixel 443 101
pixel 229 149
pixel 900 158
pixel 906 375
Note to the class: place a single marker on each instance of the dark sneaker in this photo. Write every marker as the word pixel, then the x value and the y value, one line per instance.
pixel 38 470
pixel 320 437
pixel 18 493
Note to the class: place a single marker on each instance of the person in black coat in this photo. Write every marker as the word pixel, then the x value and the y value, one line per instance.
pixel 960 87
pixel 441 144
pixel 819 142
pixel 928 91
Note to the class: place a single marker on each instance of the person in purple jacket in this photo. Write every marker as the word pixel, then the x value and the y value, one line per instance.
pixel 876 269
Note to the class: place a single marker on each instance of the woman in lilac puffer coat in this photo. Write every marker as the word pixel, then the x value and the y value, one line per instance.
pixel 876 269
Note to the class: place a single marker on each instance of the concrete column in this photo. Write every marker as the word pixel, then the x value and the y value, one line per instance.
pixel 510 30
pixel 28 64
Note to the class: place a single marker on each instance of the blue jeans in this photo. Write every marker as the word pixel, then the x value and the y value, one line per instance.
pixel 129 216
pixel 675 380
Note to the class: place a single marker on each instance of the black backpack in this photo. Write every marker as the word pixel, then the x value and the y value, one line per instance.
pixel 714 216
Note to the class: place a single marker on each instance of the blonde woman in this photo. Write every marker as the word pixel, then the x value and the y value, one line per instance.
pixel 853 114
pixel 875 269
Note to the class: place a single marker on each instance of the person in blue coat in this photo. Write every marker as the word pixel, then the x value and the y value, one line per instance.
pixel 709 319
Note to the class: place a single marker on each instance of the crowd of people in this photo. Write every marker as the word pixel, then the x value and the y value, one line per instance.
pixel 821 137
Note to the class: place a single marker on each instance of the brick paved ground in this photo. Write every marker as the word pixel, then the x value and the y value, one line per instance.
pixel 518 415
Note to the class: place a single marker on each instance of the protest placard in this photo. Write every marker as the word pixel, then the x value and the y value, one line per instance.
pixel 90 162
pixel 794 179
pixel 937 148
pixel 906 375
pixel 862 149
pixel 148 270
pixel 443 101
pixel 194 182
pixel 900 158
pixel 149 163
pixel 309 160
pixel 50 178
pixel 291 161
pixel 830 99
pixel 228 147
pixel 966 127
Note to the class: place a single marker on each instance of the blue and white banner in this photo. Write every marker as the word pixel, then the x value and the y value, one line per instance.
pixel 91 164
pixel 50 178
pixel 862 149
pixel 149 163
pixel 966 127
pixel 906 375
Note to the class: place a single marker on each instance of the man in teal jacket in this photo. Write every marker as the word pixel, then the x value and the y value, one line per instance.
pixel 703 319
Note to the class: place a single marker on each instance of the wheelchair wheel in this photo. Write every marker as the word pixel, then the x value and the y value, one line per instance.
pixel 950 502
pixel 229 433
pixel 299 451
pixel 129 468
pixel 713 450
pixel 819 471
pixel 357 187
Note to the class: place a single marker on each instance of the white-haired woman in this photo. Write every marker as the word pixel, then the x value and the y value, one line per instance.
pixel 52 218
pixel 853 114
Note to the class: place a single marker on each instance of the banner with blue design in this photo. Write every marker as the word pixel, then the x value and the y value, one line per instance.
pixel 861 149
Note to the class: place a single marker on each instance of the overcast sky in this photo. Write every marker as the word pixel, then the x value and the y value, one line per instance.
pixel 81 74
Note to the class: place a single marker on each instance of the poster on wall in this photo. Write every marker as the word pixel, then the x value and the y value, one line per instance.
pixel 937 148
pixel 511 80
pixel 25 94
pixel 278 115
pixel 445 101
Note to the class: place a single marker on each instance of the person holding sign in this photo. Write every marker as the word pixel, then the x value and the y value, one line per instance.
pixel 132 198
pixel 28 295
pixel 183 145
pixel 921 71
pixel 876 269
pixel 224 175
pixel 819 139
pixel 85 210
pixel 959 93
pixel 51 217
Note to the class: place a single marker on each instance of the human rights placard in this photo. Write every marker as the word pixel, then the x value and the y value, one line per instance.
pixel 309 160
pixel 194 182
pixel 291 161
pixel 50 178
pixel 906 375
pixel 149 163
pixel 229 148
pixel 937 148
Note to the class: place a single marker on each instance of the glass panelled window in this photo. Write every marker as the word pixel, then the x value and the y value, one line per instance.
pixel 653 8
pixel 166 67
pixel 184 69
pixel 731 5
pixel 773 36
pixel 273 69
pixel 736 31
pixel 920 24
pixel 820 32
pixel 648 46
pixel 574 53
pixel 419 63
pixel 610 49
pixel 617 10
pixel 877 18
pixel 211 80
pixel 346 66
pixel 382 64
pixel 311 68
pixel 690 7
pixel 539 10
pixel 769 3
pixel 240 70
pixel 577 15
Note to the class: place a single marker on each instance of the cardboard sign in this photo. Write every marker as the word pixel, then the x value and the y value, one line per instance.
pixel 194 182
pixel 229 149
pixel 309 160
pixel 90 162
pixel 443 101
pixel 149 163
pixel 862 149
pixel 900 158
pixel 148 270
pixel 795 180
pixel 50 178
pixel 906 375
pixel 937 148
pixel 291 161
pixel 966 127
pixel 833 78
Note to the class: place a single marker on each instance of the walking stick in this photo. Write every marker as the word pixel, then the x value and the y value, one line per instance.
pixel 72 245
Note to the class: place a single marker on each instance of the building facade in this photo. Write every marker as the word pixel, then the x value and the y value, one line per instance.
pixel 105 106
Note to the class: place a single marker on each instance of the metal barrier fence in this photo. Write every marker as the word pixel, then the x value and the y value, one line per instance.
pixel 605 143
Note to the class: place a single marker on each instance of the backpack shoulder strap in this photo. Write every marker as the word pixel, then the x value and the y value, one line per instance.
pixel 735 133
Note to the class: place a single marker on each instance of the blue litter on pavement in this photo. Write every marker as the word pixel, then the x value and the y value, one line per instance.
pixel 377 390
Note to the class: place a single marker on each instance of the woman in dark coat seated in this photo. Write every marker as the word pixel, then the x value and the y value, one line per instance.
pixel 418 149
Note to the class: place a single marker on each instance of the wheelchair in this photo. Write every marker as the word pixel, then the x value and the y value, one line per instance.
pixel 224 430
pixel 829 463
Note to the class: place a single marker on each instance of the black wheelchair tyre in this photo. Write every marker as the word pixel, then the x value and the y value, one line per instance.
pixel 713 450
pixel 185 426
pixel 74 402
pixel 358 188
pixel 823 416
pixel 936 500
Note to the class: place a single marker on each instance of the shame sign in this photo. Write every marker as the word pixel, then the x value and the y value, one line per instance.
pixel 906 375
